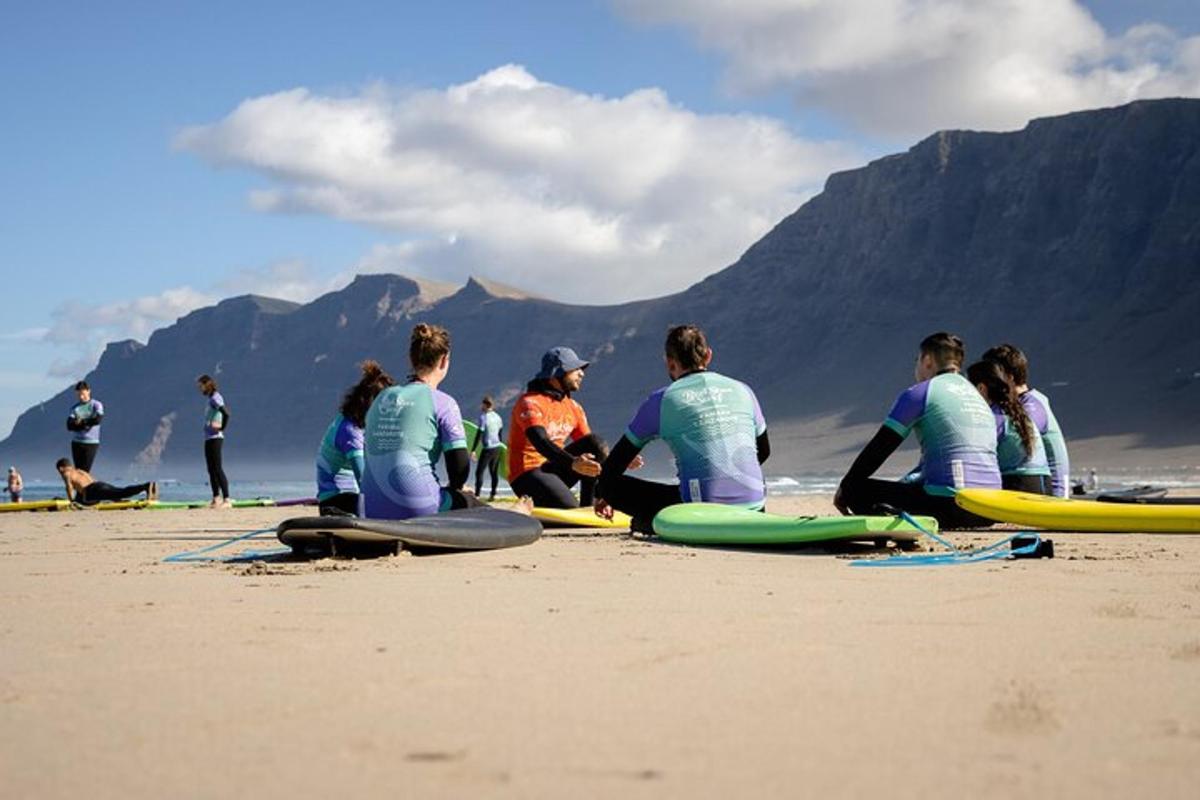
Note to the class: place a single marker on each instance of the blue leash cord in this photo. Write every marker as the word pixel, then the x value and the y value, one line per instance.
pixel 248 555
pixel 990 552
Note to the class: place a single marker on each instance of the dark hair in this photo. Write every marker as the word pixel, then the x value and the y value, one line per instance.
pixel 360 396
pixel 62 462
pixel 487 401
pixel 207 384
pixel 1003 392
pixel 1011 360
pixel 687 346
pixel 946 349
pixel 81 386
pixel 427 346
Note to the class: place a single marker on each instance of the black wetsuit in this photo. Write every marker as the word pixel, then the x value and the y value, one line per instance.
pixel 96 492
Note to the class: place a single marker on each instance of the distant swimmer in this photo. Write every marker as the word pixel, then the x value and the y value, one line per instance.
pixel 340 459
pixel 84 423
pixel 409 428
pixel 82 488
pixel 1037 404
pixel 550 446
pixel 714 427
pixel 15 485
pixel 216 419
pixel 957 434
pixel 1019 449
pixel 488 430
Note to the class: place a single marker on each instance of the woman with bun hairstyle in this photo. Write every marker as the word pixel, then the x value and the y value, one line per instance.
pixel 1019 447
pixel 340 458
pixel 216 419
pixel 408 429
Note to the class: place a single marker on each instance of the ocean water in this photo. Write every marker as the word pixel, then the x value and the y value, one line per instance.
pixel 777 486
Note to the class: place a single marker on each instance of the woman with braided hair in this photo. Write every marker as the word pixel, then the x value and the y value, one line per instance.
pixel 1019 447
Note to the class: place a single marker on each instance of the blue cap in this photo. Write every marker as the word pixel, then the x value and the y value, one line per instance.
pixel 558 361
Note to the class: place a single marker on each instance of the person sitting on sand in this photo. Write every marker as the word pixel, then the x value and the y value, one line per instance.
pixel 714 427
pixel 957 434
pixel 15 485
pixel 487 431
pixel 340 458
pixel 82 488
pixel 408 429
pixel 1019 449
pixel 551 447
pixel 1037 405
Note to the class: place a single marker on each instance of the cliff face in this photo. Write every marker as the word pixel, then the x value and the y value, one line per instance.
pixel 1077 238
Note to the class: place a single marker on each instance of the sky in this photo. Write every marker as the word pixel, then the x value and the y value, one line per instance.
pixel 161 156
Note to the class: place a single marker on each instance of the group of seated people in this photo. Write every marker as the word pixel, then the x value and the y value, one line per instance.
pixel 978 427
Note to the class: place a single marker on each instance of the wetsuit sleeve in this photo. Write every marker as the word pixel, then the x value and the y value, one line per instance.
pixel 882 445
pixel 763 445
pixel 475 442
pixel 908 408
pixel 72 425
pixel 451 433
pixel 541 442
pixel 619 459
pixel 646 423
pixel 92 421
pixel 458 466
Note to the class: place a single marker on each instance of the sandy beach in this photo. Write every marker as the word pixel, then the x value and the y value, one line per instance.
pixel 589 666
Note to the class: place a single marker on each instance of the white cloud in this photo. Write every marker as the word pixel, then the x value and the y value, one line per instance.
pixel 905 68
pixel 574 196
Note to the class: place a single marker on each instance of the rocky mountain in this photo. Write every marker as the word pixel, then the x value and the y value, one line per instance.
pixel 1077 238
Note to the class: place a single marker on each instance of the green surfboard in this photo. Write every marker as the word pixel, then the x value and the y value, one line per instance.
pixel 713 523
pixel 471 428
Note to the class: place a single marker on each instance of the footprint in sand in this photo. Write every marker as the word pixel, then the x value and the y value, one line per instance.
pixel 1118 609
pixel 1187 652
pixel 1022 710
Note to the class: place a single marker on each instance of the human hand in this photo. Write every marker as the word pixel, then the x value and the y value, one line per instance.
pixel 602 509
pixel 586 465
pixel 637 463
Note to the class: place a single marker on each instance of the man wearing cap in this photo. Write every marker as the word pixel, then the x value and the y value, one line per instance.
pixel 551 447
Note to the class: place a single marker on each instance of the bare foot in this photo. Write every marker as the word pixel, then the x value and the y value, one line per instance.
pixel 226 503
pixel 152 492
pixel 524 505
pixel 216 503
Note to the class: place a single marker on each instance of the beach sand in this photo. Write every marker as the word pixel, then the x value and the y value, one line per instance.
pixel 589 666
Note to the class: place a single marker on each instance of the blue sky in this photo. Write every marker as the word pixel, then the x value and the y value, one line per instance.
pixel 150 165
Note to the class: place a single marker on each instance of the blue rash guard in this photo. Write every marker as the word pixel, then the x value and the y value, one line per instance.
pixel 408 429
pixel 340 459
pixel 213 416
pixel 710 422
pixel 490 425
pixel 82 412
pixel 1010 451
pixel 1037 406
pixel 956 431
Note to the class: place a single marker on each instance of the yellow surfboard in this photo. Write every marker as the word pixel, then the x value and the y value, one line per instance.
pixel 36 505
pixel 580 518
pixel 1064 514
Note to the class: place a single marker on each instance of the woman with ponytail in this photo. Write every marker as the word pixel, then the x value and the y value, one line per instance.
pixel 340 458
pixel 1019 447
pixel 409 428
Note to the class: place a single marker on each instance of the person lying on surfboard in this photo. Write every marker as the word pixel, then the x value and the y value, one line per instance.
pixel 714 427
pixel 82 488
pixel 1014 362
pixel 408 429
pixel 1019 448
pixel 340 457
pixel 550 446
pixel 957 434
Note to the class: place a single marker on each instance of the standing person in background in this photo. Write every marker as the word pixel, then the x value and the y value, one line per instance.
pixel 15 485
pixel 1037 405
pixel 340 459
pixel 1019 449
pixel 216 418
pixel 489 428
pixel 84 424
pixel 551 447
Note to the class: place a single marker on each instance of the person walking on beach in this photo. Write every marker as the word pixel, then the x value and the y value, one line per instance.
pixel 551 447
pixel 340 458
pixel 408 428
pixel 84 424
pixel 488 431
pixel 957 434
pixel 15 485
pixel 82 488
pixel 1037 405
pixel 714 427
pixel 216 419
pixel 1019 449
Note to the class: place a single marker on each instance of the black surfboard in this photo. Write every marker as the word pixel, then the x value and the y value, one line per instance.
pixel 468 529
pixel 1149 500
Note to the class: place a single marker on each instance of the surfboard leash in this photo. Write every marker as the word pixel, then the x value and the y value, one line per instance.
pixel 202 555
pixel 1031 544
